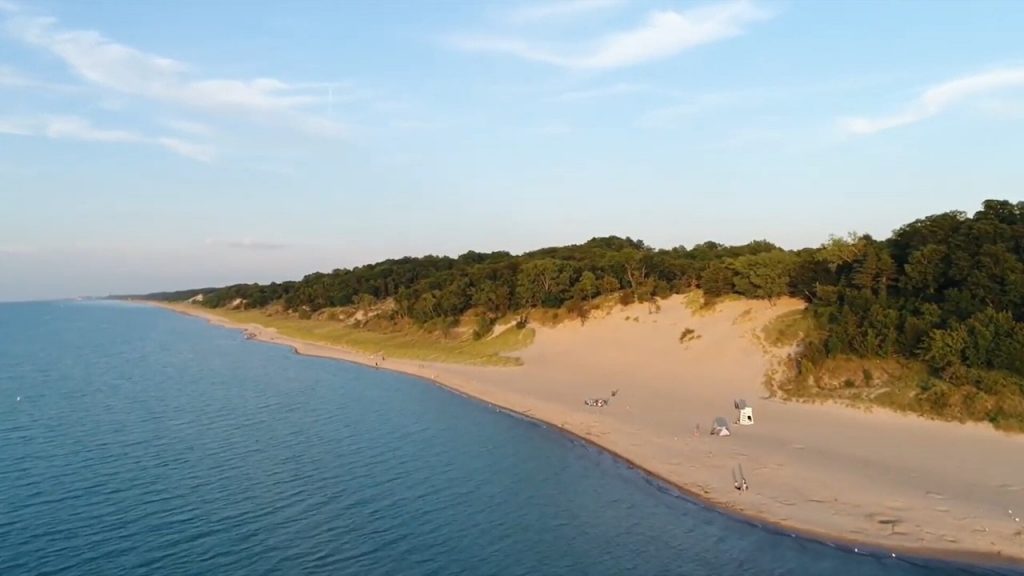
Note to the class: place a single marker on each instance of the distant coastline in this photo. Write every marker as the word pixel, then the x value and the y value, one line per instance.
pixel 491 386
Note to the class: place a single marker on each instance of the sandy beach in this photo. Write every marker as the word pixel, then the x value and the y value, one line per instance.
pixel 890 482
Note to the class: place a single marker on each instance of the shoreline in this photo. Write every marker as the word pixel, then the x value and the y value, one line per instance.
pixel 431 373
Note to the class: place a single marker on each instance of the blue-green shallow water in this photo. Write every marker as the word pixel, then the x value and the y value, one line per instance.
pixel 150 443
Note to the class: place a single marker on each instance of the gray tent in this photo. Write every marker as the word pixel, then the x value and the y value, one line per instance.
pixel 720 427
pixel 739 404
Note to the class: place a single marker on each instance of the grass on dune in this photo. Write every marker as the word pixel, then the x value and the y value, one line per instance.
pixel 408 343
pixel 789 328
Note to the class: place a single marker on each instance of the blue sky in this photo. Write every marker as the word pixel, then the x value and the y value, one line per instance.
pixel 170 144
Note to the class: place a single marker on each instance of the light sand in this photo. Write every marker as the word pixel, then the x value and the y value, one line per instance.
pixel 889 481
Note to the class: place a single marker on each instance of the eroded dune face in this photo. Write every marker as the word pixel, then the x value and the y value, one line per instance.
pixel 722 356
pixel 893 480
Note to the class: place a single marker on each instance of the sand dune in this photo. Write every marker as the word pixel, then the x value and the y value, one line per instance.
pixel 886 480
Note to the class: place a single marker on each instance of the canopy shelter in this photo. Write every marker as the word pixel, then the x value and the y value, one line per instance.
pixel 720 427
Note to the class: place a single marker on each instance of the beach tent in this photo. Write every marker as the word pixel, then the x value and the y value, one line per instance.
pixel 746 416
pixel 720 427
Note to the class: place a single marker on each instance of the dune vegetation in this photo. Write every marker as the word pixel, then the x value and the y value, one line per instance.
pixel 410 343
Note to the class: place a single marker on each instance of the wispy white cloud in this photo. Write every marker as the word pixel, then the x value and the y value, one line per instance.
pixel 187 149
pixel 12 78
pixel 600 92
pixel 187 127
pixel 663 34
pixel 15 126
pixel 110 65
pixel 689 107
pixel 937 100
pixel 560 9
pixel 81 129
pixel 75 128
pixel 9 7
pixel 247 244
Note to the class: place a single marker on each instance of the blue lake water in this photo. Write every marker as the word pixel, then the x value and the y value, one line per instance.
pixel 145 442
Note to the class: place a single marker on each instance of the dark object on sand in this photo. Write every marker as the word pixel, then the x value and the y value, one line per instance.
pixel 720 427
pixel 614 392
pixel 597 402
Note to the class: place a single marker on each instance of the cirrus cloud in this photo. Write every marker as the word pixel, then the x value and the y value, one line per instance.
pixel 81 129
pixel 664 33
pixel 110 65
pixel 936 100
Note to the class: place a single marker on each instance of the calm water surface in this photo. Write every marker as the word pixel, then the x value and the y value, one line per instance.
pixel 149 443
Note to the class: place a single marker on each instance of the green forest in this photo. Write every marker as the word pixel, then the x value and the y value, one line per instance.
pixel 944 294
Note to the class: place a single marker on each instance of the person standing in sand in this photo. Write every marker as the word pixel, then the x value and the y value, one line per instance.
pixel 740 481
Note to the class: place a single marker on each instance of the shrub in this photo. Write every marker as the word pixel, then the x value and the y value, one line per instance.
pixel 627 297
pixel 687 335
pixel 483 329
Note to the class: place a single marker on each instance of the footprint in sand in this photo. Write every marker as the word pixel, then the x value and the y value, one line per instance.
pixel 941 509
pixel 935 495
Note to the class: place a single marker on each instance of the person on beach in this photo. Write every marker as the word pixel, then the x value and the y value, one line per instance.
pixel 739 481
